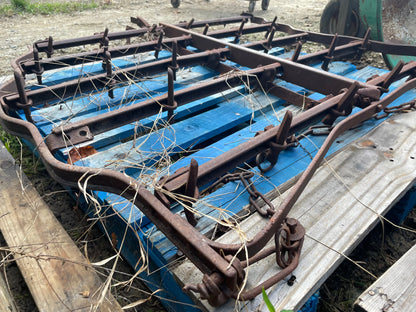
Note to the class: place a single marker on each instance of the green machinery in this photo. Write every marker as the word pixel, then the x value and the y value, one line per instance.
pixel 389 20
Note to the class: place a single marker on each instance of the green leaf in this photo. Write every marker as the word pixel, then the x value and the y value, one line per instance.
pixel 267 301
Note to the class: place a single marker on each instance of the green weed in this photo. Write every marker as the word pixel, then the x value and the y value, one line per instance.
pixel 45 8
pixel 269 304
pixel 20 4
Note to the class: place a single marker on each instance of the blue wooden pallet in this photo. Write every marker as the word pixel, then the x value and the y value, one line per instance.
pixel 207 127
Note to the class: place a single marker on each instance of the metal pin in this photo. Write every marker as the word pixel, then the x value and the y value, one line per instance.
pixel 240 31
pixel 205 29
pixel 189 25
pixel 25 103
pixel 272 25
pixel 38 68
pixel 296 54
pixel 109 70
pixel 174 65
pixel 104 42
pixel 191 189
pixel 391 77
pixel 364 44
pixel 158 47
pixel 269 40
pixel 171 95
pixel 50 51
pixel 330 56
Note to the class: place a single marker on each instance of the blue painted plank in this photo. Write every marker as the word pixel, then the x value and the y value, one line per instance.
pixel 178 137
pixel 155 145
pixel 98 103
pixel 278 175
pixel 214 150
pixel 93 68
pixel 265 116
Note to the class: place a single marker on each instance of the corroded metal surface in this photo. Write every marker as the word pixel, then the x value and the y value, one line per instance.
pixel 222 264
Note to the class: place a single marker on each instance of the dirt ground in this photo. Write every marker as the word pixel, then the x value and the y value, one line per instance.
pixel 20 31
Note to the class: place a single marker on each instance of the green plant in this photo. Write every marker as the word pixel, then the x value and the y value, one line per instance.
pixel 269 304
pixel 267 301
pixel 20 4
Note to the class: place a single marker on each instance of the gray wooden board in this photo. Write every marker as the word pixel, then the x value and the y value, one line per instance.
pixel 395 290
pixel 363 180
pixel 55 271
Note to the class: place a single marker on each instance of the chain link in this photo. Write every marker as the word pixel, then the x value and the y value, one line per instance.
pixel 397 109
pixel 245 178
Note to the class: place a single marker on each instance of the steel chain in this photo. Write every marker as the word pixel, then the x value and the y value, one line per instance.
pixel 245 178
pixel 397 109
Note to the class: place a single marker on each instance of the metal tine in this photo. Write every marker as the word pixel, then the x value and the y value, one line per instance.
pixel 152 29
pixel 269 41
pixel 391 77
pixel 296 53
pixel 105 42
pixel 240 31
pixel 158 48
pixel 364 45
pixel 273 25
pixel 277 145
pixel 109 70
pixel 344 106
pixel 50 50
pixel 189 25
pixel 25 102
pixel 174 65
pixel 191 190
pixel 38 68
pixel 205 29
pixel 171 95
pixel 330 56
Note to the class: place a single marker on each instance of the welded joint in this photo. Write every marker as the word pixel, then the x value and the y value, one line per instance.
pixel 278 144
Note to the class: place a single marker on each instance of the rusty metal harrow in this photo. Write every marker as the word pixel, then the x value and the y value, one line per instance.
pixel 346 105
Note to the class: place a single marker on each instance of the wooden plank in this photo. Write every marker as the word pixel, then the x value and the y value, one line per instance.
pixel 54 77
pixel 361 182
pixel 395 290
pixel 232 197
pixel 261 105
pixel 6 299
pixel 99 102
pixel 56 272
pixel 179 137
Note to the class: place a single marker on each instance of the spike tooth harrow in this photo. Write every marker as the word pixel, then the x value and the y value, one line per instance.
pixel 222 264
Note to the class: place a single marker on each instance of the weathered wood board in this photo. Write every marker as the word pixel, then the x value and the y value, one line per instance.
pixel 361 182
pixel 55 271
pixel 395 290
pixel 205 128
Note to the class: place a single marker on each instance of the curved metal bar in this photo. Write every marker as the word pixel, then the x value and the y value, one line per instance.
pixel 213 258
pixel 266 233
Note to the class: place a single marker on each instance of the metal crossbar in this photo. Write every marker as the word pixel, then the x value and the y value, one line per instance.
pixel 223 265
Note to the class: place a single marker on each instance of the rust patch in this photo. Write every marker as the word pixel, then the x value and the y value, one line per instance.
pixel 388 155
pixel 78 153
pixel 368 143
